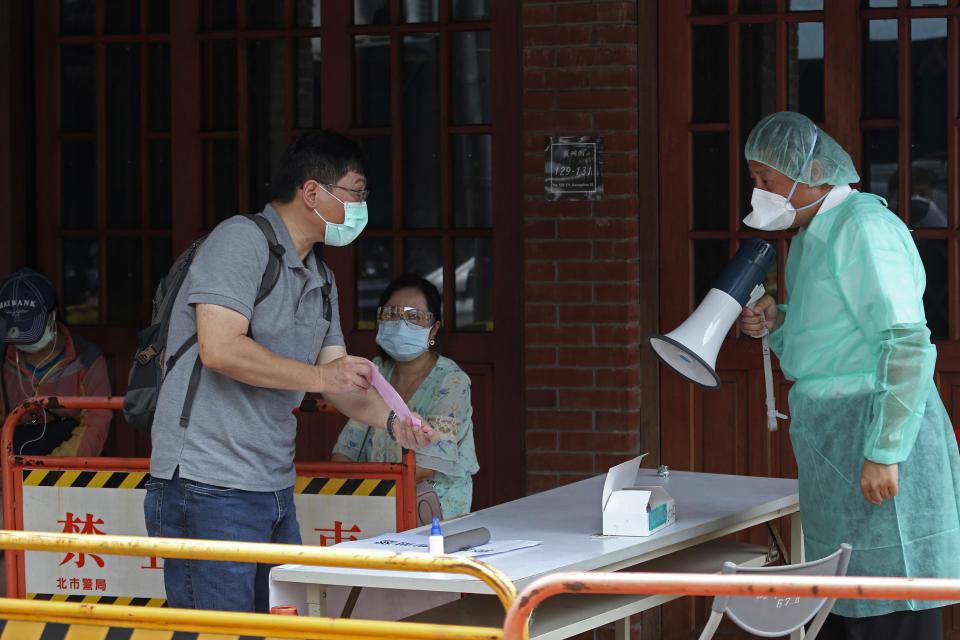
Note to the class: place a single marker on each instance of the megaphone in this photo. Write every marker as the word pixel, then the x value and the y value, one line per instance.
pixel 691 349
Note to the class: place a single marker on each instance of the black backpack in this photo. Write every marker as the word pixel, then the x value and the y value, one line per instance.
pixel 149 369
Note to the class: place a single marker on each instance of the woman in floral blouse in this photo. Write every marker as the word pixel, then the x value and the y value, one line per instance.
pixel 408 320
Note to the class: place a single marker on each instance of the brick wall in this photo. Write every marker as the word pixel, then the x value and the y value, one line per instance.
pixel 581 259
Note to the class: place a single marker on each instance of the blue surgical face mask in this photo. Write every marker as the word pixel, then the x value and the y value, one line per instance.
pixel 402 341
pixel 354 220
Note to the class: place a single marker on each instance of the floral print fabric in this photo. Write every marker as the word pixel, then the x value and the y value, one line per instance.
pixel 443 398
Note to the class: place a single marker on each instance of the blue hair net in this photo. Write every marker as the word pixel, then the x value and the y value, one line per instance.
pixel 784 139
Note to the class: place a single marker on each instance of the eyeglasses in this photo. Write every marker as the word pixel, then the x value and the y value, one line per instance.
pixel 412 315
pixel 360 193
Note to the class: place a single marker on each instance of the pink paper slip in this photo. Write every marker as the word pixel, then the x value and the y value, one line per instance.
pixel 390 395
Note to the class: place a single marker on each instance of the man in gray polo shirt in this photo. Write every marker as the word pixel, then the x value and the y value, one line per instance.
pixel 228 473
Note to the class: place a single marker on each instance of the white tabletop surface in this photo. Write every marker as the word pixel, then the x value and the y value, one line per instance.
pixel 568 520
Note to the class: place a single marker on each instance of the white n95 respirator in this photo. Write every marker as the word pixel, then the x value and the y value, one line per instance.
pixel 771 212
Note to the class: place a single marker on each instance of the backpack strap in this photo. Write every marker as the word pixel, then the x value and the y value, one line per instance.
pixel 275 260
pixel 191 392
pixel 325 289
pixel 269 280
pixel 172 360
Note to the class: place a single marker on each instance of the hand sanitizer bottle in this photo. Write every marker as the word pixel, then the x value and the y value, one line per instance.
pixel 436 538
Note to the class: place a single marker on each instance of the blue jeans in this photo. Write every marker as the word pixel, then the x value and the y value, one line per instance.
pixel 179 508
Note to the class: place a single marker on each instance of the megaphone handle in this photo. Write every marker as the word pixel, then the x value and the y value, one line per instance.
pixel 772 413
pixel 758 292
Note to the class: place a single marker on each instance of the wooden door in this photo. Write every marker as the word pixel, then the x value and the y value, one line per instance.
pixel 104 164
pixel 434 102
pixel 881 77
pixel 163 117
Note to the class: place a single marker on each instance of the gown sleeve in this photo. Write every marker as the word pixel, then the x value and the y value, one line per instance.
pixel 878 271
pixel 776 336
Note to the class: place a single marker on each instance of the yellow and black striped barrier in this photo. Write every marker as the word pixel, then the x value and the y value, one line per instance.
pixel 136 480
pixel 124 600
pixel 101 621
pixel 84 479
pixel 346 487
pixel 25 620
pixel 33 630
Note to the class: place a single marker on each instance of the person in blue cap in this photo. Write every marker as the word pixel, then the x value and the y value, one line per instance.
pixel 41 357
pixel 876 455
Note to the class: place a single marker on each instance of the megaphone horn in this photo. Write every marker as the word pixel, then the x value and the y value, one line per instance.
pixel 691 349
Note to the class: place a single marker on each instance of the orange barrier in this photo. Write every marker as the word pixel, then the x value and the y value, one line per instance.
pixel 710 584
pixel 14 466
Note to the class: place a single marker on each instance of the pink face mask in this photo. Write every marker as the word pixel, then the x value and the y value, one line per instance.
pixel 390 396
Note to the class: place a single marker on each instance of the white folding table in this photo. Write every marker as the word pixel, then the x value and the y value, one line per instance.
pixel 568 521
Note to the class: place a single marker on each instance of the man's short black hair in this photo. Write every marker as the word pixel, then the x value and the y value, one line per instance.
pixel 325 156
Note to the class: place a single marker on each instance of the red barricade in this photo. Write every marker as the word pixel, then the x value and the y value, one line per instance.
pixel 313 478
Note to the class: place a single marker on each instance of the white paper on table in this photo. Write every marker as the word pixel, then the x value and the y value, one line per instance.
pixel 405 542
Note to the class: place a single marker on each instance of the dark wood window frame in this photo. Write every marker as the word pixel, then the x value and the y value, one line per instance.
pixel 497 355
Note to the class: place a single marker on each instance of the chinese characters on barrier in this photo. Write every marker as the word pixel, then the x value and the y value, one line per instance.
pixel 88 584
pixel 91 524
pixel 72 524
pixel 88 524
pixel 338 531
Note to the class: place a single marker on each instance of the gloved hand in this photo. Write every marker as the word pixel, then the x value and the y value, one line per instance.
pixel 763 315
pixel 879 482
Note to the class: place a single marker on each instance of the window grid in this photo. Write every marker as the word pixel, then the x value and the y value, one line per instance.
pixel 734 20
pixel 904 16
pixel 781 18
pixel 101 233
pixel 447 232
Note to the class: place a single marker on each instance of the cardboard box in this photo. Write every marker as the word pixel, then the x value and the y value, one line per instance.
pixel 634 511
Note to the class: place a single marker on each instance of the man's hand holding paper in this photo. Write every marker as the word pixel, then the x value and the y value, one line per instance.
pixel 347 374
pixel 354 399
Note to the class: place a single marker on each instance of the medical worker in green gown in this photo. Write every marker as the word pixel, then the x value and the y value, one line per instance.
pixel 877 457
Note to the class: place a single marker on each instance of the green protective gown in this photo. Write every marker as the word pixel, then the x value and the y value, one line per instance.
pixel 855 340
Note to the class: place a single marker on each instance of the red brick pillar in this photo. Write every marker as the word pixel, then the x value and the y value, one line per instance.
pixel 581 258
